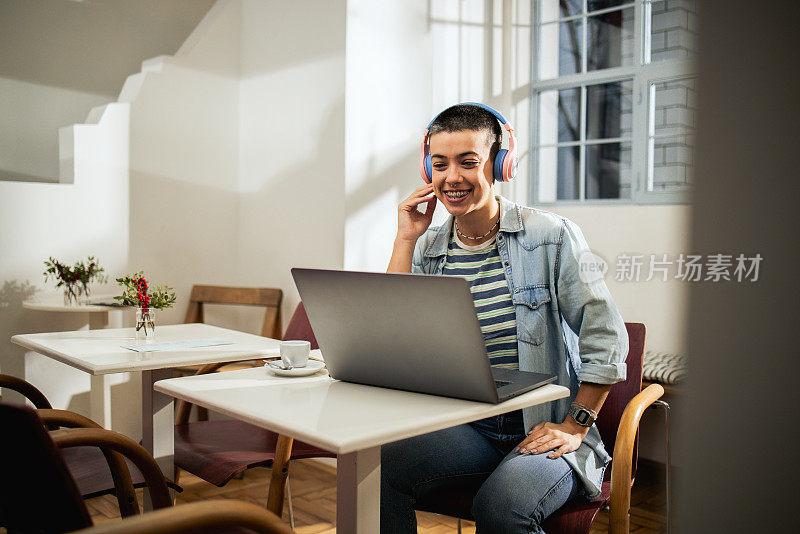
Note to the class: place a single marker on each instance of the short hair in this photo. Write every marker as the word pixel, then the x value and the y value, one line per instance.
pixel 468 117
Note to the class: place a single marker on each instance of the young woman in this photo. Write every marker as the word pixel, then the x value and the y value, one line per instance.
pixel 533 302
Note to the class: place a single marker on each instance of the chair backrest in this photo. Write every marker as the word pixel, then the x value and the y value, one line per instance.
pixel 300 328
pixel 622 392
pixel 26 389
pixel 268 297
pixel 37 493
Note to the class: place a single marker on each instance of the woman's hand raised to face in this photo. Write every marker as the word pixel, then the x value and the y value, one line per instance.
pixel 412 223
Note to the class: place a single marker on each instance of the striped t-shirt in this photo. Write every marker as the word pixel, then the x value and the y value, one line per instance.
pixel 482 267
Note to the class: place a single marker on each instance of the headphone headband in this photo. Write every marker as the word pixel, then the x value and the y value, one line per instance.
pixel 504 166
pixel 499 116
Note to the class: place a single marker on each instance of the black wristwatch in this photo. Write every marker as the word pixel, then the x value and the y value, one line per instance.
pixel 581 415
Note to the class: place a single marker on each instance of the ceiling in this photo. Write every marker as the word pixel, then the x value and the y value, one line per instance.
pixel 90 45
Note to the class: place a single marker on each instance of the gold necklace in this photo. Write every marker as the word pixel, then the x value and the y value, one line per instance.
pixel 495 225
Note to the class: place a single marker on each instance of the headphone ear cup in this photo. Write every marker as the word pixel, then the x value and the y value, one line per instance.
pixel 428 169
pixel 497 168
pixel 512 166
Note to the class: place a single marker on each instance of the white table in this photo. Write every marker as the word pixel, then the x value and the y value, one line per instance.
pixel 99 352
pixel 99 317
pixel 351 420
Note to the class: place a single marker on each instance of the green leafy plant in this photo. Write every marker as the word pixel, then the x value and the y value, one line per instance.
pixel 76 279
pixel 136 292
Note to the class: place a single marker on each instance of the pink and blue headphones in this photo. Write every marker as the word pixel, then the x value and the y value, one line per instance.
pixel 504 167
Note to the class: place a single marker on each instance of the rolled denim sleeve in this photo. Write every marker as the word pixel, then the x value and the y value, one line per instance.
pixel 587 307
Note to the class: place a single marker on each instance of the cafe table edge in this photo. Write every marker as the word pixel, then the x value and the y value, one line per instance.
pixel 471 411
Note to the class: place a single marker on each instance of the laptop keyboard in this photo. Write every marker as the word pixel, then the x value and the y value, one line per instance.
pixel 501 383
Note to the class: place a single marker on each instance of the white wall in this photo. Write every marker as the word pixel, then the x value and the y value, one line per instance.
pixel 291 150
pixel 176 218
pixel 184 204
pixel 70 222
pixel 388 106
pixel 32 114
pixel 661 306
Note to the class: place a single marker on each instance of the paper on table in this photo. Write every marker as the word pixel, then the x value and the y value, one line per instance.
pixel 176 345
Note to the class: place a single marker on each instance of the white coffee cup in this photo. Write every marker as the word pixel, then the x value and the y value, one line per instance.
pixel 295 353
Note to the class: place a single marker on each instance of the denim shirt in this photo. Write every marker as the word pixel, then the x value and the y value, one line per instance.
pixel 566 326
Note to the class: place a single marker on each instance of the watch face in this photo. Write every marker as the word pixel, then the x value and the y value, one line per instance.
pixel 582 417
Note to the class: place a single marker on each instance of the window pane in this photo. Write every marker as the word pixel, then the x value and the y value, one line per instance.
pixel 610 40
pixel 671 163
pixel 608 170
pixel 550 10
pixel 560 45
pixel 609 110
pixel 673 29
pixel 557 173
pixel 673 105
pixel 569 158
pixel 559 116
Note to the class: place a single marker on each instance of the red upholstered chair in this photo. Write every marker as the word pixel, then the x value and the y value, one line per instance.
pixel 216 451
pixel 618 424
pixel 38 494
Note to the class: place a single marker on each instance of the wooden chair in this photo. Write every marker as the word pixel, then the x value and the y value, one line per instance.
pixel 619 425
pixel 269 298
pixel 38 493
pixel 96 472
pixel 216 451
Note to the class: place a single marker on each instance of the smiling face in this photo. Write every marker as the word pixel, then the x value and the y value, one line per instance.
pixel 462 178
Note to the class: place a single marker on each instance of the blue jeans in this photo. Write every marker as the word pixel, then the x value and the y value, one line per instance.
pixel 518 491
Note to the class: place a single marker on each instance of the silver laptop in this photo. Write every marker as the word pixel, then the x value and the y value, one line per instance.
pixel 404 331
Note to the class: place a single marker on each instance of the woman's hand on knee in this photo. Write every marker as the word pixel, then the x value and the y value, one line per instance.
pixel 545 436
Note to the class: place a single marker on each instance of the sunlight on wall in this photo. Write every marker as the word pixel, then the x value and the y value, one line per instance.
pixel 370 234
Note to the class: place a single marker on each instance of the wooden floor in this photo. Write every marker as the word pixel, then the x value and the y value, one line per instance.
pixel 313 488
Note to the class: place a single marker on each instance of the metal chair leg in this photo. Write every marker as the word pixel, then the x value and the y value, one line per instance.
pixel 289 499
pixel 668 453
pixel 459 526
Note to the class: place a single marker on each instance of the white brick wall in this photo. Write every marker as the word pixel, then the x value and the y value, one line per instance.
pixel 673 36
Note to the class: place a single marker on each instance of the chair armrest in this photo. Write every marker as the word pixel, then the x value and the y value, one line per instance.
pixel 621 467
pixel 26 389
pixel 205 516
pixel 120 474
pixel 65 418
pixel 106 439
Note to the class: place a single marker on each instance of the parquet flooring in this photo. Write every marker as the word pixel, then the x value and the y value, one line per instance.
pixel 313 488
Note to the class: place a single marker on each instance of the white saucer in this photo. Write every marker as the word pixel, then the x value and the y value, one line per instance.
pixel 312 367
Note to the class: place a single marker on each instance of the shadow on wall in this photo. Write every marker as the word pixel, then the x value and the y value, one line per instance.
pixel 295 218
pixel 14 319
pixel 65 387
pixel 184 233
pixel 181 234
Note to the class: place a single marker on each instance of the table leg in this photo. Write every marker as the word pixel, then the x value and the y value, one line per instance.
pixel 100 400
pixel 158 424
pixel 358 491
pixel 100 390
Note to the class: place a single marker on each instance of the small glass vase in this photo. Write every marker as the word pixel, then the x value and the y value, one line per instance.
pixel 75 294
pixel 145 324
